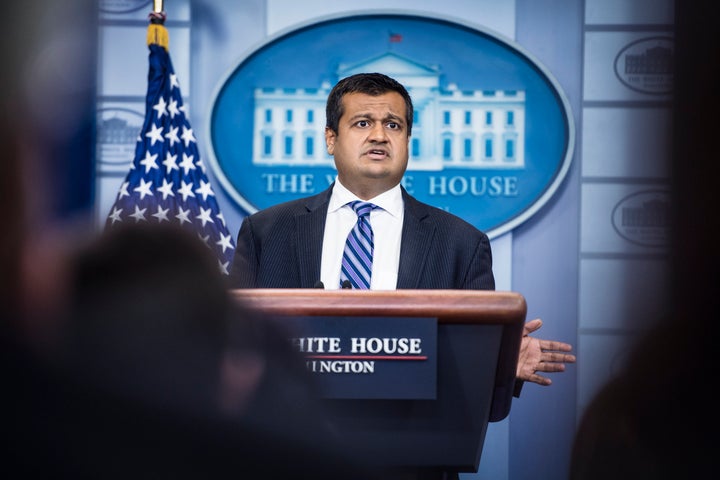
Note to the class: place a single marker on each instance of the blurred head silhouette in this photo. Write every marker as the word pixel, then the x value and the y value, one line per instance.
pixel 148 314
pixel 47 94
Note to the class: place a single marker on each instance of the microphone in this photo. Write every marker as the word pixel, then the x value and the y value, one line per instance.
pixel 346 284
pixel 319 284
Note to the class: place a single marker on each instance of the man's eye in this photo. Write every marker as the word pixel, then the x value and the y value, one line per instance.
pixel 363 123
pixel 393 125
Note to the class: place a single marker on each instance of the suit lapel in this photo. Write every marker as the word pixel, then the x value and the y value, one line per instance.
pixel 417 234
pixel 310 228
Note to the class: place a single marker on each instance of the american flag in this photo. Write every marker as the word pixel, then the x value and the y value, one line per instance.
pixel 168 181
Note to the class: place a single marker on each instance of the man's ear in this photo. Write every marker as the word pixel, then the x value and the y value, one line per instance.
pixel 330 140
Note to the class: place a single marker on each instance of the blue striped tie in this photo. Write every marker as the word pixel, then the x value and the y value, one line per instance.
pixel 358 255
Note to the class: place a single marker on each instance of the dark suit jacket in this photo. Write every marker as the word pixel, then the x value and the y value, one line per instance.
pixel 281 247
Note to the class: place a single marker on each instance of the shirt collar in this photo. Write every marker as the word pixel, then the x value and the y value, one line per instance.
pixel 391 200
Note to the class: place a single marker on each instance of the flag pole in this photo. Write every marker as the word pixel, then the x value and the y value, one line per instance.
pixel 158 6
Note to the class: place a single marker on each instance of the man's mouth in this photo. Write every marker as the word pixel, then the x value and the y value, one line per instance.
pixel 377 153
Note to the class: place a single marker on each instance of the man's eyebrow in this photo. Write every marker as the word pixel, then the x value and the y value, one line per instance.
pixel 360 115
pixel 390 116
pixel 395 118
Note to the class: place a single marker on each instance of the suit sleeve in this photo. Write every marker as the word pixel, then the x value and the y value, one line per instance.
pixel 480 274
pixel 243 273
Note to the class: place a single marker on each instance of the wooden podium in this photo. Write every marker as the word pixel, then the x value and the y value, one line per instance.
pixel 478 341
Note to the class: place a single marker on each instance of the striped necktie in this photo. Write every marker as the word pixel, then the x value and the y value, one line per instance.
pixel 358 254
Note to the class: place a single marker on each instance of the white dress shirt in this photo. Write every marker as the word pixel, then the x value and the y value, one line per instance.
pixel 386 223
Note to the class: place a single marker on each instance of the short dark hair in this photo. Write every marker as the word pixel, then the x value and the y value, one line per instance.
pixel 370 84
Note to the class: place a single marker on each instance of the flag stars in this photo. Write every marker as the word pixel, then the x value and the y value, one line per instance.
pixel 172 136
pixel 161 107
pixel 204 216
pixel 139 214
pixel 161 214
pixel 166 189
pixel 155 134
pixel 174 83
pixel 225 242
pixel 173 108
pixel 170 162
pixel 144 188
pixel 124 190
pixel 224 267
pixel 187 163
pixel 186 190
pixel 183 216
pixel 115 215
pixel 205 190
pixel 205 239
pixel 149 161
pixel 188 136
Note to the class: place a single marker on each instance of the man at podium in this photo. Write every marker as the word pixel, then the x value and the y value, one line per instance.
pixel 366 231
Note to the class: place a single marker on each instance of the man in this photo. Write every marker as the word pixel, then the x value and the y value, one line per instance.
pixel 300 243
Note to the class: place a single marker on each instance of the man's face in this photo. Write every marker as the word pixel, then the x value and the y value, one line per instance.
pixel 371 145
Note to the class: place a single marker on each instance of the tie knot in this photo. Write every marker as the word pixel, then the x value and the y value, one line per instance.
pixel 362 209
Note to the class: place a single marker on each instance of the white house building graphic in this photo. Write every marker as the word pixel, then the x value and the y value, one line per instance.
pixel 452 127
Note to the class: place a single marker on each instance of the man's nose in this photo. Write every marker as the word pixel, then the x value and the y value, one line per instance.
pixel 378 133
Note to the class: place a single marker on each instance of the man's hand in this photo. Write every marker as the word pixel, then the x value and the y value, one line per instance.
pixel 538 355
